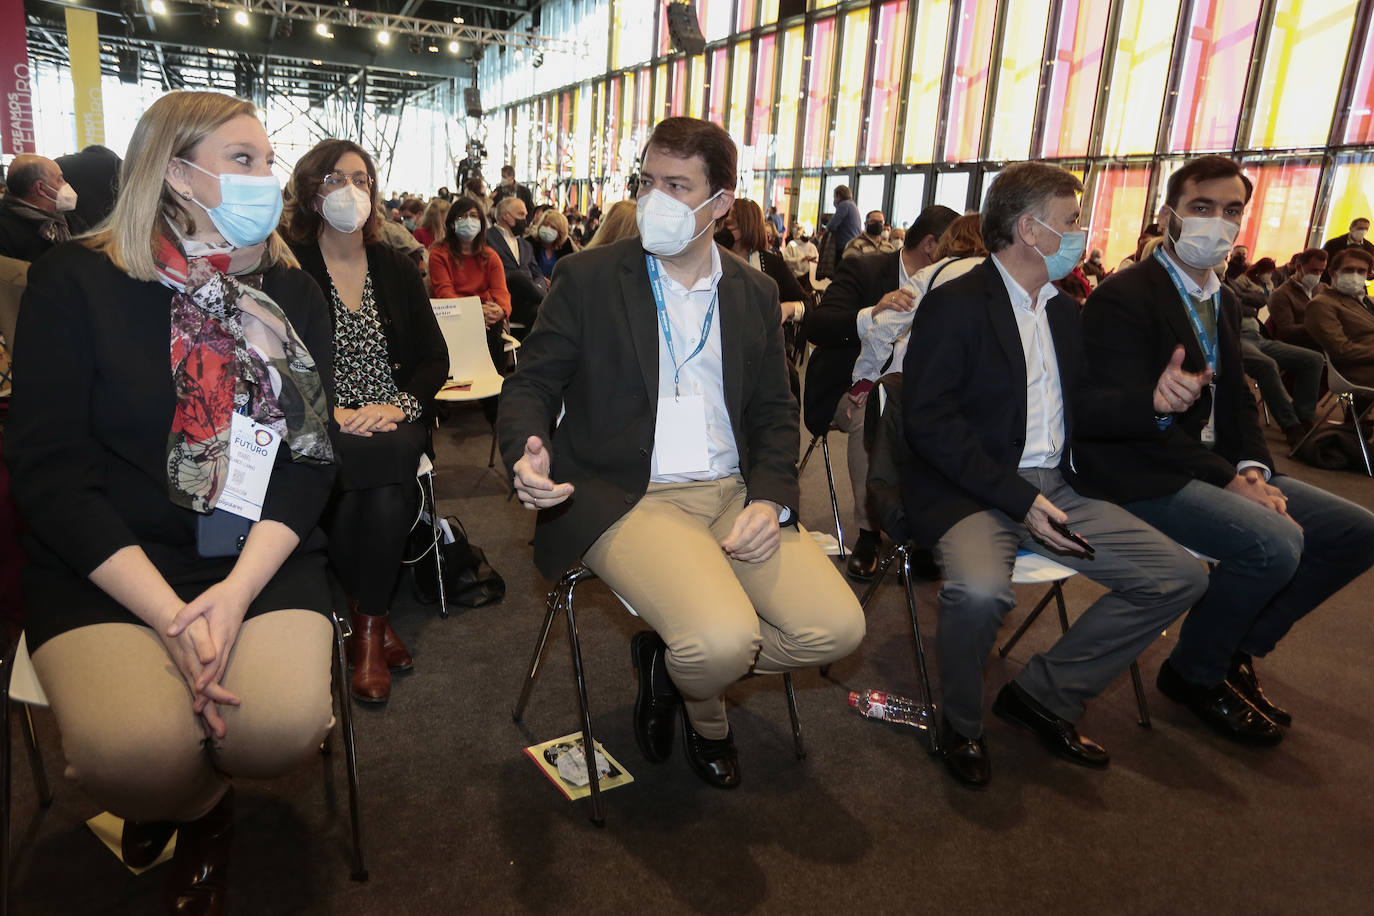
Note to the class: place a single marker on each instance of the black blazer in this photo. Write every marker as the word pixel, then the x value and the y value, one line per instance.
pixel 964 404
pixel 1131 324
pixel 833 328
pixel 525 266
pixel 594 351
pixel 415 345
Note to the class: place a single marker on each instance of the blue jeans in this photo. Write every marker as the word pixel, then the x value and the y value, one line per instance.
pixel 1264 361
pixel 1271 571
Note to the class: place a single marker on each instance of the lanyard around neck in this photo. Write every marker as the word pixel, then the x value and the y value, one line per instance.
pixel 1205 340
pixel 656 283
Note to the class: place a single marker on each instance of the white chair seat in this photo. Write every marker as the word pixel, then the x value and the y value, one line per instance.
pixel 1210 561
pixel 24 686
pixel 469 360
pixel 1032 568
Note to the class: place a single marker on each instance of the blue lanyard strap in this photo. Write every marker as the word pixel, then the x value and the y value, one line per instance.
pixel 1208 343
pixel 656 283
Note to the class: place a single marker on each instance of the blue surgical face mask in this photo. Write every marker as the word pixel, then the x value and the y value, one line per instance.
pixel 249 206
pixel 1071 247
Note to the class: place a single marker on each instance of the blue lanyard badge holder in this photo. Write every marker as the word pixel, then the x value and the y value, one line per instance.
pixel 1210 345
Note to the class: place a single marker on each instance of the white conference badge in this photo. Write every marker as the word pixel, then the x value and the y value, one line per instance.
pixel 680 436
pixel 252 452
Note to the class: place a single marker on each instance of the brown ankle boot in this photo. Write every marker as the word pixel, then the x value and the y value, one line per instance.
pixel 397 655
pixel 198 878
pixel 371 681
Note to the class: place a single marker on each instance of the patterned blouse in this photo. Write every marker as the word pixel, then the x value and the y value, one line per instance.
pixel 362 373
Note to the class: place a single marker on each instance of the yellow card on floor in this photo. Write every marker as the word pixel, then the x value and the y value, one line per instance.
pixel 110 829
pixel 563 762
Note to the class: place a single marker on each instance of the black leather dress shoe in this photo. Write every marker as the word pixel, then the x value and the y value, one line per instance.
pixel 965 758
pixel 1018 707
pixel 1221 706
pixel 657 700
pixel 863 559
pixel 142 842
pixel 714 761
pixel 1242 677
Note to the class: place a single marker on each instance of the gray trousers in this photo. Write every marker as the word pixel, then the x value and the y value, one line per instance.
pixel 1151 580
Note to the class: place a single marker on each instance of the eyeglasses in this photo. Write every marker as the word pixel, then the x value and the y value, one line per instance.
pixel 335 180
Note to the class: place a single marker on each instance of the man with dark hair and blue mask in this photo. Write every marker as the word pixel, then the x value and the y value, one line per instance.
pixel 993 400
pixel 672 470
pixel 1204 476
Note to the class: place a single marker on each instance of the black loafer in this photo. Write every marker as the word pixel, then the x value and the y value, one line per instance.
pixel 142 842
pixel 657 700
pixel 1221 706
pixel 1242 677
pixel 1018 707
pixel 716 762
pixel 965 758
pixel 863 559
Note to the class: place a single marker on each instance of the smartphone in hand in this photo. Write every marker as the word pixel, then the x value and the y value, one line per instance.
pixel 1063 529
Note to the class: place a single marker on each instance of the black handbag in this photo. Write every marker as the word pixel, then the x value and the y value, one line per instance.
pixel 469 579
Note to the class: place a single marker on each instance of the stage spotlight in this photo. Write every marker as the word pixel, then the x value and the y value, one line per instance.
pixel 383 38
pixel 453 47
pixel 241 17
pixel 519 54
pixel 457 20
pixel 209 17
pixel 434 49
pixel 323 30
pixel 159 8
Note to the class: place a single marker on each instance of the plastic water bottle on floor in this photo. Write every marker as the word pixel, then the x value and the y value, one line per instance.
pixel 887 707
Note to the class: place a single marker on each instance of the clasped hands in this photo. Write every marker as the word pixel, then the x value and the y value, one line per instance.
pixel 368 419
pixel 199 637
pixel 753 538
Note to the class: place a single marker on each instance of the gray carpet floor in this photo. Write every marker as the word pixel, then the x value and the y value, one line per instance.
pixel 458 820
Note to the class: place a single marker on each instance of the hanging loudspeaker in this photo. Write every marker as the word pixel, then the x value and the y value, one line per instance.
pixel 128 66
pixel 472 101
pixel 684 28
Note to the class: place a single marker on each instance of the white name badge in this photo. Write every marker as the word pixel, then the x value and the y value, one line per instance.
pixel 680 436
pixel 252 452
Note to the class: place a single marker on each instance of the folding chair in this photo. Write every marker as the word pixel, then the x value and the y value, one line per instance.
pixel 1345 392
pixel 823 439
pixel 561 600
pixel 19 684
pixel 471 374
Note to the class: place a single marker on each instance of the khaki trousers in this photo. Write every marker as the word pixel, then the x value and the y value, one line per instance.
pixel 723 619
pixel 131 739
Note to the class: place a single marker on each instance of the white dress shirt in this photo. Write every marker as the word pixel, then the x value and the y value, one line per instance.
pixel 887 335
pixel 702 375
pixel 1044 393
pixel 512 242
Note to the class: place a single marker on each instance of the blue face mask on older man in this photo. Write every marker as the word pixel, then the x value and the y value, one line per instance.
pixel 1071 247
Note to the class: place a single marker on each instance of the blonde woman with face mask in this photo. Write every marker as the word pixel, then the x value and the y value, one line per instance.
pixel 389 362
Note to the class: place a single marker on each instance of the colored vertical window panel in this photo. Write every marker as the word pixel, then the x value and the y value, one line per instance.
pixel 696 82
pixel 660 109
pixel 567 162
pixel 719 84
pixel 1119 196
pixel 1352 193
pixel 815 141
pixel 1280 208
pixel 782 196
pixel 968 95
pixel 923 92
pixel 625 148
pixel 1211 85
pixel 1359 124
pixel 1302 68
pixel 756 188
pixel 809 201
pixel 614 125
pixel 633 32
pixel 744 20
pixel 740 90
pixel 1077 64
pixel 849 103
pixel 768 14
pixel 760 134
pixel 908 199
pixel 678 104
pixel 1018 79
pixel 1140 73
pixel 889 49
pixel 643 118
pixel 714 17
pixel 789 100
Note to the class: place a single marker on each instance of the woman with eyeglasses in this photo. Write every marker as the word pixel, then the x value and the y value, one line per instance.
pixel 389 362
pixel 176 582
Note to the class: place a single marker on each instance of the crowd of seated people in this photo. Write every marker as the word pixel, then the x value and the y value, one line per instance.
pixel 1035 401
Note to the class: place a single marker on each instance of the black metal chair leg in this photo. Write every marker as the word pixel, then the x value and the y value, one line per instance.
pixel 797 744
pixel 554 602
pixel 927 703
pixel 359 870
pixel 5 774
pixel 834 503
pixel 491 456
pixel 437 542
pixel 1058 591
pixel 1026 624
pixel 598 815
pixel 1140 702
pixel 807 457
pixel 1359 434
pixel 883 565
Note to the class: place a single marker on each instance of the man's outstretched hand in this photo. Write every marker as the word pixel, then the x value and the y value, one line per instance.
pixel 532 483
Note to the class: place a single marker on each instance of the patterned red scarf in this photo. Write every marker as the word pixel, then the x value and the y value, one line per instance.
pixel 232 349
